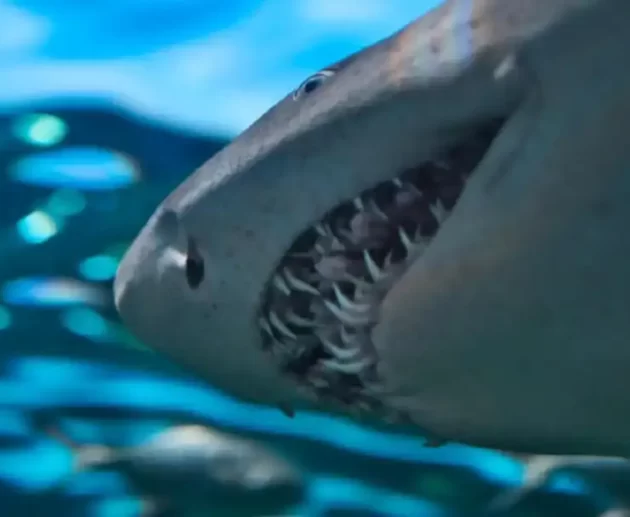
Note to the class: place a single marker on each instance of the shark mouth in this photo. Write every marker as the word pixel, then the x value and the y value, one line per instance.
pixel 324 297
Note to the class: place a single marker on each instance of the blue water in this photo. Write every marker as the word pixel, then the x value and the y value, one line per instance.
pixel 104 107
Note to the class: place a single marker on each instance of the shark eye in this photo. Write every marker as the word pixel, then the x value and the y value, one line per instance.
pixel 312 83
pixel 194 265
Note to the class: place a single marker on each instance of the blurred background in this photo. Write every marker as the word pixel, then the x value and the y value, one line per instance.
pixel 105 106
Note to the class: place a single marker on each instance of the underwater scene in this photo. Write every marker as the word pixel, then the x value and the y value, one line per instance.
pixel 105 107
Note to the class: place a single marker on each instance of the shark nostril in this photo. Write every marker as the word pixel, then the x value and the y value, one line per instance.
pixel 195 268
pixel 167 226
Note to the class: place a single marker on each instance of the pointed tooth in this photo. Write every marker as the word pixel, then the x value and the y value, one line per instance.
pixel 264 324
pixel 349 368
pixel 438 211
pixel 336 311
pixel 358 204
pixel 281 284
pixel 280 325
pixel 331 347
pixel 349 355
pixel 345 303
pixel 339 352
pixel 344 317
pixel 320 313
pixel 389 260
pixel 404 238
pixel 322 230
pixel 372 268
pixel 297 284
pixel 299 321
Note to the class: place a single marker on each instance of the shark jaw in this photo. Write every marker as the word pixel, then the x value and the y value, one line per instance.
pixel 322 300
pixel 505 325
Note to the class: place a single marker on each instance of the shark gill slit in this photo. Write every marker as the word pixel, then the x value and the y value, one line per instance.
pixel 323 299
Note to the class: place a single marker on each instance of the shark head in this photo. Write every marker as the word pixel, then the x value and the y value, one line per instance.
pixel 431 230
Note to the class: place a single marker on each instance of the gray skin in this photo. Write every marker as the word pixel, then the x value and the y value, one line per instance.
pixel 512 330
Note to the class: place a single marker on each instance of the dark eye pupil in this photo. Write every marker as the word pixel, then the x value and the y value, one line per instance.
pixel 312 84
pixel 194 265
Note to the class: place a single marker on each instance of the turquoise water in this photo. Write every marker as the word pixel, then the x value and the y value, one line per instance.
pixel 104 107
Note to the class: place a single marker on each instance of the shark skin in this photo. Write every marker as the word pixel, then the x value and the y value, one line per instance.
pixel 511 331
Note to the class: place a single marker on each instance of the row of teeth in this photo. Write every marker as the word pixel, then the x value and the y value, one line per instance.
pixel 320 306
pixel 335 321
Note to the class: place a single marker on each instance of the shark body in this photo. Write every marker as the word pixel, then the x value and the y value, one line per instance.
pixel 508 326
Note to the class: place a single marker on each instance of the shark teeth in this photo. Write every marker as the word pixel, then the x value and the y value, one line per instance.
pixel 347 304
pixel 281 284
pixel 358 204
pixel 299 285
pixel 324 298
pixel 299 321
pixel 352 368
pixel 327 297
pixel 439 212
pixel 279 325
pixel 375 272
pixel 406 241
pixel 347 317
pixel 339 351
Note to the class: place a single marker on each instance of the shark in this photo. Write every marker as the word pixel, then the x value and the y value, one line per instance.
pixel 430 234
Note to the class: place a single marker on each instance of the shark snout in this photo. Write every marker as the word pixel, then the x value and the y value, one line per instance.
pixel 137 294
pixel 135 286
pixel 152 261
